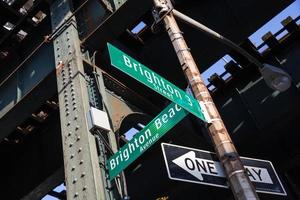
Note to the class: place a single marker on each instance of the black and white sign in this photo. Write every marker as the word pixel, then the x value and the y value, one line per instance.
pixel 203 167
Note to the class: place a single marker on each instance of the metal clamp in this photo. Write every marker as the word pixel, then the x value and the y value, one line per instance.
pixel 162 8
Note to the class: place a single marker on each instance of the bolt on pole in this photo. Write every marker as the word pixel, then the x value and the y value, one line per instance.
pixel 239 181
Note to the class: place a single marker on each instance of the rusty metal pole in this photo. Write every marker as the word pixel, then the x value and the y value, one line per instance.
pixel 240 183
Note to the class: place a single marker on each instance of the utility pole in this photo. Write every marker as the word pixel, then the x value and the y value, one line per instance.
pixel 240 183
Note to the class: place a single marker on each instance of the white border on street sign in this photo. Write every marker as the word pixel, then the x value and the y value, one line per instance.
pixel 203 183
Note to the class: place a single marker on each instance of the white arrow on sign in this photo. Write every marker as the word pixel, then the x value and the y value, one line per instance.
pixel 198 166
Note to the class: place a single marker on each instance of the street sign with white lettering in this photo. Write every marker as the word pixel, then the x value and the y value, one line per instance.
pixel 203 167
pixel 144 139
pixel 138 71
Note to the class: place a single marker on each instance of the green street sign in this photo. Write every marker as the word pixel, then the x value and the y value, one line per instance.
pixel 141 141
pixel 154 81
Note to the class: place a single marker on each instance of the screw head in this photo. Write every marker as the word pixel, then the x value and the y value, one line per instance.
pixel 76 195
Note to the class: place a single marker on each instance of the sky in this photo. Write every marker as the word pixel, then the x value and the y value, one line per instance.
pixel 218 67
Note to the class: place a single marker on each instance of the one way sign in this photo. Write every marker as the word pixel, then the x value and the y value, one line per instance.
pixel 203 167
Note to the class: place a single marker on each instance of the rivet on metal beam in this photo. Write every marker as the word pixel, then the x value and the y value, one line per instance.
pixel 84 188
pixel 72 156
pixel 80 149
pixel 271 41
pixel 74 180
pixel 73 168
pixel 83 174
pixel 80 162
pixel 77 127
pixel 290 24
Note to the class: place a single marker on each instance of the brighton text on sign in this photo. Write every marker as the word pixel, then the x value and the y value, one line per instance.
pixel 141 141
pixel 154 81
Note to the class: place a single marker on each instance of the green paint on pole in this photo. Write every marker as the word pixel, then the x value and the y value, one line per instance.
pixel 144 139
pixel 138 71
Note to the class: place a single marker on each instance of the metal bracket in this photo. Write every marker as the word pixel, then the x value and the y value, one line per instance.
pixel 162 6
pixel 161 9
pixel 205 112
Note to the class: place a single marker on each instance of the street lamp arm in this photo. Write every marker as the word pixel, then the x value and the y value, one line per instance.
pixel 186 19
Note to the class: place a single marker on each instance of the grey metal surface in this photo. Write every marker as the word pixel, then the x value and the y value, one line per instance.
pixel 82 174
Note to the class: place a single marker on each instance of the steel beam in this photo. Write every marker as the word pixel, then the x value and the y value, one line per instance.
pixel 81 164
pixel 41 190
pixel 20 111
pixel 116 24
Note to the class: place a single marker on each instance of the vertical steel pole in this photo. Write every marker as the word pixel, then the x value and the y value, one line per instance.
pixel 81 163
pixel 240 183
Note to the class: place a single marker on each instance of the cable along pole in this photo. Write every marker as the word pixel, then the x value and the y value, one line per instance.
pixel 239 181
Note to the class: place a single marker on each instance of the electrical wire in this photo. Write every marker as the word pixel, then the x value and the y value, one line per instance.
pixel 122 178
pixel 105 142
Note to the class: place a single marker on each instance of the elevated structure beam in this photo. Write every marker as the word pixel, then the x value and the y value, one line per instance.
pixel 41 190
pixel 81 164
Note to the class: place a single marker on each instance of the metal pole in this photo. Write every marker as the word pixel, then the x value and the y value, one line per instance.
pixel 186 19
pixel 240 183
